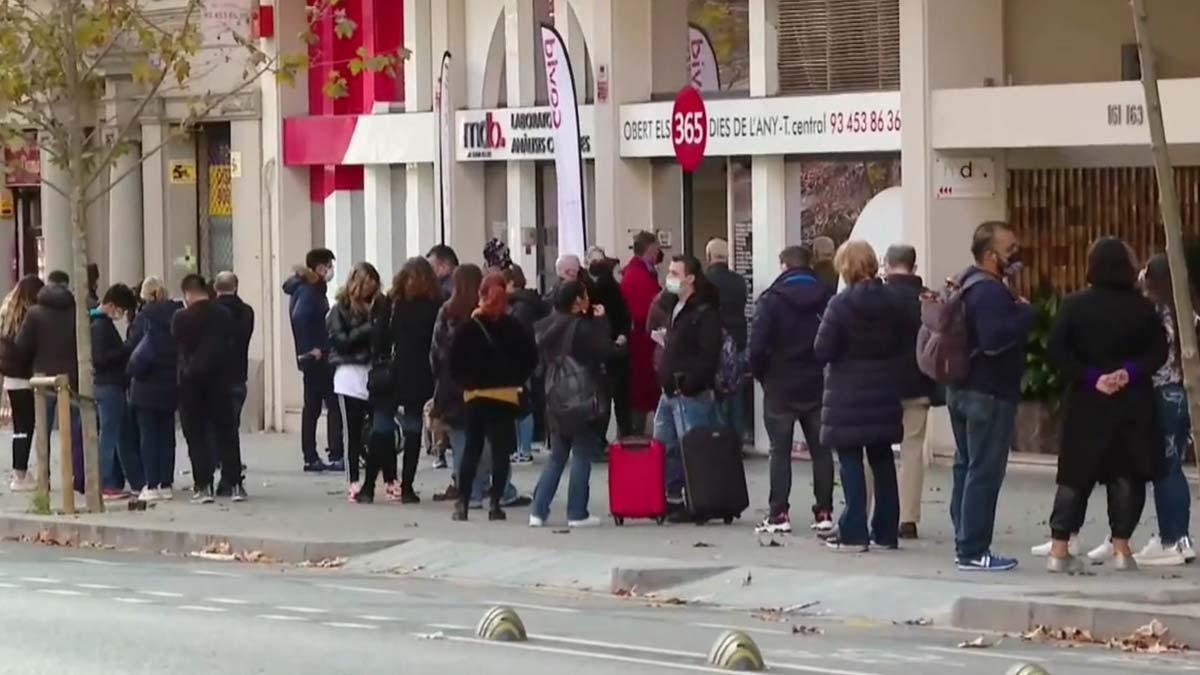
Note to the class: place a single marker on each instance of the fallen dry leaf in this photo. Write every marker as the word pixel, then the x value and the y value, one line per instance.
pixel 1149 639
pixel 702 544
pixel 430 636
pixel 978 643
pixel 325 563
pixel 807 630
pixel 920 621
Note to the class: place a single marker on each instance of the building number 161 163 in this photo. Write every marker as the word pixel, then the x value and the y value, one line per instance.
pixel 864 122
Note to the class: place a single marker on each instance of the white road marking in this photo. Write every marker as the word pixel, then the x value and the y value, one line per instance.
pixel 346 624
pixel 133 601
pixel 214 573
pixel 8 585
pixel 60 591
pixel 162 594
pixel 377 617
pixel 745 629
pixel 280 617
pixel 1006 656
pixel 536 608
pixel 201 608
pixel 360 589
pixel 301 610
pixel 94 561
pixel 97 587
pixel 41 580
pixel 448 626
pixel 227 601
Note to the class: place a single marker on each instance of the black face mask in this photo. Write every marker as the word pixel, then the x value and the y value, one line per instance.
pixel 598 269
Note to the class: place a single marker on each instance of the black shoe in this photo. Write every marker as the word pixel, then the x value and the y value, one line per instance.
pixel 449 495
pixel 315 466
pixel 237 493
pixel 409 496
pixel 364 497
pixel 460 511
pixel 678 513
pixel 224 490
pixel 497 513
pixel 338 465
pixel 908 531
pixel 203 494
pixel 520 502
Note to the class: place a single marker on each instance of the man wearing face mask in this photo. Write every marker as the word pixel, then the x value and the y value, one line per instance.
pixel 606 292
pixel 639 288
pixel 308 292
pixel 983 408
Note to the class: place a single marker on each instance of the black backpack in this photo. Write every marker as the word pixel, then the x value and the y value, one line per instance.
pixel 573 399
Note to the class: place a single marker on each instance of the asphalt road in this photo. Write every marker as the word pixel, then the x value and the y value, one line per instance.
pixel 66 611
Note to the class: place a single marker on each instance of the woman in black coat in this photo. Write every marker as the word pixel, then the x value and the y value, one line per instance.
pixel 491 359
pixel 1110 432
pixel 861 341
pixel 154 387
pixel 401 343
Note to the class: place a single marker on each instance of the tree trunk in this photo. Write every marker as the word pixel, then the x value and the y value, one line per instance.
pixel 83 346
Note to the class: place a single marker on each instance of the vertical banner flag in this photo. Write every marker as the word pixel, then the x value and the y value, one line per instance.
pixel 445 138
pixel 703 73
pixel 568 160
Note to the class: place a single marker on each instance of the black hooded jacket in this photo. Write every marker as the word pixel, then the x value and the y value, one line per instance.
pixel 48 334
pixel 781 341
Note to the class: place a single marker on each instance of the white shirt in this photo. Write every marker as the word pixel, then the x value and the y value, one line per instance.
pixel 351 380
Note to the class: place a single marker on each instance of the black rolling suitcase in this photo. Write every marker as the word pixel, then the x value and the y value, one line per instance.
pixel 716 479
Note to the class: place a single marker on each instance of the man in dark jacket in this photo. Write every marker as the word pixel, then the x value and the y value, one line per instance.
pixel 604 290
pixel 527 308
pixel 983 409
pixel 731 289
pixel 204 333
pixel 916 390
pixel 444 261
pixel 307 307
pixel 119 460
pixel 782 360
pixel 824 249
pixel 47 339
pixel 226 286
pixel 687 373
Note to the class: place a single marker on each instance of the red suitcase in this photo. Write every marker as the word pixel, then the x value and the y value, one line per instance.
pixel 636 483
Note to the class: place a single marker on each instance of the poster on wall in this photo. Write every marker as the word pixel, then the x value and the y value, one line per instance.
pixel 568 158
pixel 445 136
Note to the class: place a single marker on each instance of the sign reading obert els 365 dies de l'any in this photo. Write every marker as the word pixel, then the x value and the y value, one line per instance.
pixel 773 126
pixel 515 134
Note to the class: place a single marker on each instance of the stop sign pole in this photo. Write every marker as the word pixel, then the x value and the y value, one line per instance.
pixel 689 139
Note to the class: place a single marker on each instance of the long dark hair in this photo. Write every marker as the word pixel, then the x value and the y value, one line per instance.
pixel 16 305
pixel 415 281
pixel 1110 264
pixel 465 298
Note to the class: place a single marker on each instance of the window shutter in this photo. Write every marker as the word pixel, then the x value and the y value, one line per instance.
pixel 838 46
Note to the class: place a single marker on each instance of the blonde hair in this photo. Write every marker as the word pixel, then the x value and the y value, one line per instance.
pixel 856 261
pixel 357 294
pixel 154 290
pixel 17 303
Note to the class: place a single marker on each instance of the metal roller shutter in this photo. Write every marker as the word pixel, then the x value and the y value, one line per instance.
pixel 838 45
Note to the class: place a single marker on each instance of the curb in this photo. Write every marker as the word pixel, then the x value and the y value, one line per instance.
pixel 176 542
pixel 1103 621
pixel 642 580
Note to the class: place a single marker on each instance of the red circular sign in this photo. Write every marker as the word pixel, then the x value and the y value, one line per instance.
pixel 689 129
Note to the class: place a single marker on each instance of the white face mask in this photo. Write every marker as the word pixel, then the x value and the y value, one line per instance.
pixel 329 271
pixel 674 285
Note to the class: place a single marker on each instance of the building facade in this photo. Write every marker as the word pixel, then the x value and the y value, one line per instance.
pixel 899 119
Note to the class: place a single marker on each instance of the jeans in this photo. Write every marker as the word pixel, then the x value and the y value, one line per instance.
pixel 156 433
pixel 494 423
pixel 130 450
pixel 885 523
pixel 983 432
pixel 675 417
pixel 411 423
pixel 117 460
pixel 1172 498
pixel 77 467
pixel 1126 499
pixel 318 391
pixel 21 402
pixel 458 441
pixel 525 436
pixel 732 409
pixel 577 450
pixel 780 419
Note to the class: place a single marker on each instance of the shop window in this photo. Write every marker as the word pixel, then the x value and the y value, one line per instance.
pixel 215 199
pixel 838 45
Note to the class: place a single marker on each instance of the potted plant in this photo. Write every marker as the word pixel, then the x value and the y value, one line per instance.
pixel 1038 414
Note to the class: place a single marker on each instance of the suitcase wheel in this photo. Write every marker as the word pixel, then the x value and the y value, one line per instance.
pixel 618 520
pixel 728 520
pixel 660 520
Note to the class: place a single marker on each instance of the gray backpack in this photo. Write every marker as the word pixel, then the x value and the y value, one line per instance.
pixel 573 399
pixel 943 349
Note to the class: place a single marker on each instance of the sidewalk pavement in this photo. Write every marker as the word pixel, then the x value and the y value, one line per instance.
pixel 293 516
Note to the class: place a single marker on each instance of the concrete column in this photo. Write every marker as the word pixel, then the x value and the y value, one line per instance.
pixel 154 174
pixel 521 37
pixel 126 255
pixel 339 235
pixel 287 216
pixel 181 214
pixel 422 213
pixel 251 251
pixel 384 241
pixel 56 215
pixel 768 179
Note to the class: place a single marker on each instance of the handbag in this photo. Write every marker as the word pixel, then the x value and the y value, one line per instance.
pixel 141 361
pixel 382 379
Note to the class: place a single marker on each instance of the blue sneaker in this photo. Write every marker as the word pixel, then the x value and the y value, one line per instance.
pixel 987 563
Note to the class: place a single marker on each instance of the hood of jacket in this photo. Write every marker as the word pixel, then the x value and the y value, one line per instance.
pixel 869 301
pixel 523 296
pixel 56 297
pixel 159 313
pixel 302 276
pixel 906 281
pixel 801 289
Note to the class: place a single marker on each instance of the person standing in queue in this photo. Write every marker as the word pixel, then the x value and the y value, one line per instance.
pixel 226 287
pixel 640 288
pixel 154 387
pixel 527 307
pixel 110 360
pixel 17 368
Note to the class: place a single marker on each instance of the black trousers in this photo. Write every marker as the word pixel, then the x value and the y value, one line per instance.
pixel 206 414
pixel 356 416
pixel 21 402
pixel 1126 499
pixel 318 392
pixel 618 388
pixel 495 422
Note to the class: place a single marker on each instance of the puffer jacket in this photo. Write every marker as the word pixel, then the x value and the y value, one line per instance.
pixel 48 334
pixel 781 340
pixel 861 341
pixel 350 333
pixel 158 388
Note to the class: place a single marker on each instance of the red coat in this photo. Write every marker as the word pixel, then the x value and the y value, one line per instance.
pixel 639 287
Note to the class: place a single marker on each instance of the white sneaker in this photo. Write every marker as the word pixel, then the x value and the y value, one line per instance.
pixel 1154 555
pixel 1102 553
pixel 534 521
pixel 1185 547
pixel 166 494
pixel 148 495
pixel 590 521
pixel 28 484
pixel 1043 550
